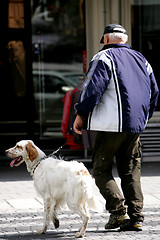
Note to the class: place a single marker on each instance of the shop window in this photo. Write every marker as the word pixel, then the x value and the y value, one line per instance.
pixel 58 41
pixel 146 32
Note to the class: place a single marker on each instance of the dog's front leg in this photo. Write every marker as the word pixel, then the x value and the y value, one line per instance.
pixel 46 220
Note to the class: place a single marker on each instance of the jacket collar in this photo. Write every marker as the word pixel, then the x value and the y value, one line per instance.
pixel 116 45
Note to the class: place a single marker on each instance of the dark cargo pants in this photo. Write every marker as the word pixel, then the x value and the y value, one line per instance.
pixel 126 149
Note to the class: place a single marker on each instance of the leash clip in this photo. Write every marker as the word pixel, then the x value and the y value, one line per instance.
pixel 62 146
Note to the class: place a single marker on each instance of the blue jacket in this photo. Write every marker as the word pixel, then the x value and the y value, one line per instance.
pixel 120 92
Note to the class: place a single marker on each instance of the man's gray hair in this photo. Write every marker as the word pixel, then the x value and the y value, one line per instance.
pixel 118 37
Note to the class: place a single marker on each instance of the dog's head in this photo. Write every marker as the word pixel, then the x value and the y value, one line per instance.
pixel 24 150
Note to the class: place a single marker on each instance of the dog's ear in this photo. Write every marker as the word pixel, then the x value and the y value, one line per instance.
pixel 31 151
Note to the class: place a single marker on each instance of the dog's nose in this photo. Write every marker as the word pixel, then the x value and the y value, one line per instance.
pixel 6 151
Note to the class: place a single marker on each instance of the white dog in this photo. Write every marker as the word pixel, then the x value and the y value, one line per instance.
pixel 59 183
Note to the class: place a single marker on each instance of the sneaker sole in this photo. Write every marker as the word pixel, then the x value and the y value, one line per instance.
pixel 122 222
pixel 136 228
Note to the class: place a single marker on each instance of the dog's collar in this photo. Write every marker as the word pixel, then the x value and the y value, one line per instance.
pixel 34 168
pixel 51 155
pixel 36 165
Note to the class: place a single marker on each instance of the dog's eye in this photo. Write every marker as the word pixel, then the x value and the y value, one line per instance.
pixel 19 147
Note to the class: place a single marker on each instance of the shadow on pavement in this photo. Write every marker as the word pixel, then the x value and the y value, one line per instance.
pixel 21 174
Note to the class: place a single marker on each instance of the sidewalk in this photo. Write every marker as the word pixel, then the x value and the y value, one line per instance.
pixel 21 210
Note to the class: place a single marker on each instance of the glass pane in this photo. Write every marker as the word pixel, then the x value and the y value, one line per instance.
pixel 146 32
pixel 58 39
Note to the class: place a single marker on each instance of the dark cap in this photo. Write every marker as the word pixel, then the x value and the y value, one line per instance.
pixel 112 28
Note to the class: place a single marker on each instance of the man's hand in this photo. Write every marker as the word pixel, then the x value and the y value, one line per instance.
pixel 78 125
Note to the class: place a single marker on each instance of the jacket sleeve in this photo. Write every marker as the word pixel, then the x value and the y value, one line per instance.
pixel 154 95
pixel 94 86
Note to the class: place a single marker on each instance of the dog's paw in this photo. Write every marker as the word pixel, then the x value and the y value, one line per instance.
pixel 79 235
pixel 56 223
pixel 42 231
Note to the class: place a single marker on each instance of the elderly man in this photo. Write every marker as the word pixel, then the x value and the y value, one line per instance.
pixel 118 97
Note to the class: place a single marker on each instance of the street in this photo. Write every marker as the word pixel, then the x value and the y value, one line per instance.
pixel 22 210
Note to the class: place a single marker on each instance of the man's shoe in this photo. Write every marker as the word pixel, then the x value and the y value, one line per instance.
pixel 116 221
pixel 132 226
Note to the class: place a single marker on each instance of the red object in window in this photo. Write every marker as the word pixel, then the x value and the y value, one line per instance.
pixel 84 61
pixel 65 127
pixel 67 99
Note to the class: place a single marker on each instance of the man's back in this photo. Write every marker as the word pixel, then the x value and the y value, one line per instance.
pixel 134 76
pixel 118 90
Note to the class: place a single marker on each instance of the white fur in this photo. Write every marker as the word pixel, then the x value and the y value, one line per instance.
pixel 59 183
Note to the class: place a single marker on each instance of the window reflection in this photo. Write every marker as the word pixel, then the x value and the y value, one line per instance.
pixel 58 39
pixel 146 32
pixel 59 27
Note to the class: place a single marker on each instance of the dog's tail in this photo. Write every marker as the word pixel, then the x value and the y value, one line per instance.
pixel 95 200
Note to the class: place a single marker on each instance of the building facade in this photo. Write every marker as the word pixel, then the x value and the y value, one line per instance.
pixel 47 49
